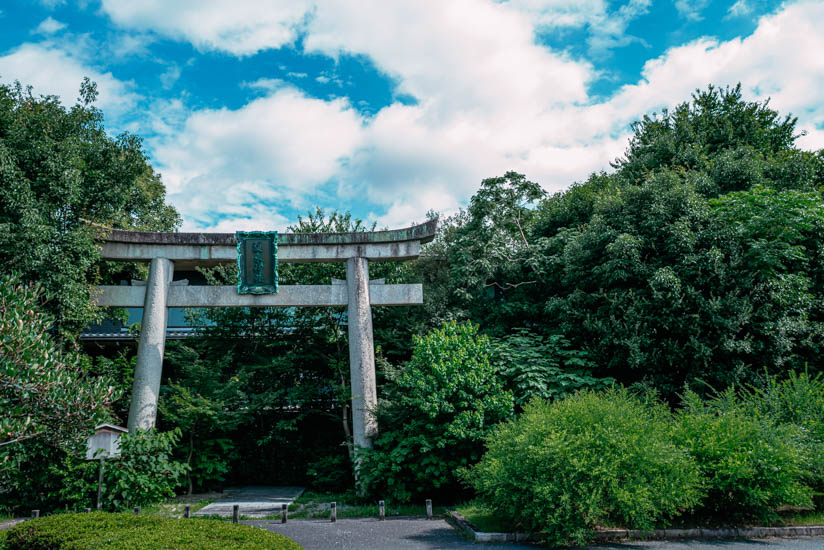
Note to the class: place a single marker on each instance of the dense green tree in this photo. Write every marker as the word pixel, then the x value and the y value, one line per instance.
pixel 433 416
pixel 50 403
pixel 45 393
pixel 697 258
pixel 202 400
pixel 716 122
pixel 59 169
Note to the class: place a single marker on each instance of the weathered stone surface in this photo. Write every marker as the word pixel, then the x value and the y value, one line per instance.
pixel 187 256
pixel 361 352
pixel 424 232
pixel 150 347
pixel 287 296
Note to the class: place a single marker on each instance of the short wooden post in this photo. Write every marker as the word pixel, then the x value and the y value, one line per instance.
pixel 381 510
pixel 87 510
pixel 428 509
pixel 100 483
pixel 137 510
pixel 35 514
pixel 333 509
pixel 235 513
pixel 186 510
pixel 283 509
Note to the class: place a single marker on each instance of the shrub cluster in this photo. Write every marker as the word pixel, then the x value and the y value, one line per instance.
pixel 104 531
pixel 435 414
pixel 565 467
pixel 49 478
pixel 750 465
pixel 593 459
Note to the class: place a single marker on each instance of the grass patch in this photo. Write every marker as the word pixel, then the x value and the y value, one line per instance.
pixel 174 508
pixel 311 505
pixel 106 531
pixel 483 520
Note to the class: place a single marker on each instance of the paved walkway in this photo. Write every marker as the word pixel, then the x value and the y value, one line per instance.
pixel 371 534
pixel 254 502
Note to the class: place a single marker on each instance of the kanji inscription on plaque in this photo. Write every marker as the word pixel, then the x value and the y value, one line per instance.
pixel 257 262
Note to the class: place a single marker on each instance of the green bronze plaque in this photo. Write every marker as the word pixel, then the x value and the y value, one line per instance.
pixel 257 262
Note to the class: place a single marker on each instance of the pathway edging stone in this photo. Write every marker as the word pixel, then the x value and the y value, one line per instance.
pixel 612 535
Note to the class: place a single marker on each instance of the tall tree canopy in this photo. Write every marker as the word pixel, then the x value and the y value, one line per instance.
pixel 59 169
pixel 699 258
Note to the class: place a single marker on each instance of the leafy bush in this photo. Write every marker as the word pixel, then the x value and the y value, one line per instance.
pixel 563 468
pixel 750 464
pixel 439 407
pixel 799 400
pixel 145 472
pixel 331 473
pixel 45 393
pixel 48 478
pixel 544 367
pixel 104 531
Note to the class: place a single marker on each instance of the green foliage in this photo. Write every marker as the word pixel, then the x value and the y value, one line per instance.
pixel 437 409
pixel 204 399
pixel 104 531
pixel 691 135
pixel 45 393
pixel 698 258
pixel 272 381
pixel 46 476
pixel 331 473
pixel 750 465
pixel 564 468
pixel 797 399
pixel 58 168
pixel 544 367
pixel 145 473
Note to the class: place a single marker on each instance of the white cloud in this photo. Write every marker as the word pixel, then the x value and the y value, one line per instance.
pixel 241 28
pixel 278 148
pixel 489 100
pixel 49 26
pixel 606 27
pixel 691 9
pixel 52 70
pixel 780 61
pixel 739 9
pixel 123 44
pixel 170 76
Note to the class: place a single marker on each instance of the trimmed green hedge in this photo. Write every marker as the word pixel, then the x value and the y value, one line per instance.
pixel 105 531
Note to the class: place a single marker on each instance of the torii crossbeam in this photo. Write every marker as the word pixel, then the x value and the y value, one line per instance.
pixel 184 251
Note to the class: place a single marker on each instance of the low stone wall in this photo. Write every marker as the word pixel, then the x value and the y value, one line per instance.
pixel 613 535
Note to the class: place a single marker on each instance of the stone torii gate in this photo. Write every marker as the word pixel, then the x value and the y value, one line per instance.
pixel 184 251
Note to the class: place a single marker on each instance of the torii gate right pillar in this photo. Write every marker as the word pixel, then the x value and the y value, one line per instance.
pixel 361 353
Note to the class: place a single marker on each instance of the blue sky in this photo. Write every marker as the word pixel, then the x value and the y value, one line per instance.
pixel 256 111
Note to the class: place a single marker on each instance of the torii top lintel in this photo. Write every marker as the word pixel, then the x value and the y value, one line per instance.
pixel 192 249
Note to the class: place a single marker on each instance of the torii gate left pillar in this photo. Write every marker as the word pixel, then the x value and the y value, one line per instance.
pixel 184 251
pixel 150 346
